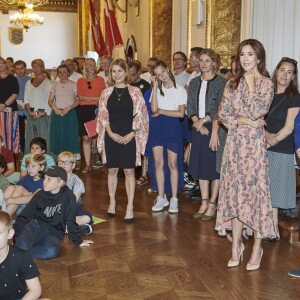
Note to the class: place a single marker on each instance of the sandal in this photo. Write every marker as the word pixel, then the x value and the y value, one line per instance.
pixel 142 180
pixel 86 170
pixel 210 217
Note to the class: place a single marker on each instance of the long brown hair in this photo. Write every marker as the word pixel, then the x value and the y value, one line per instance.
pixel 260 53
pixel 292 89
pixel 162 64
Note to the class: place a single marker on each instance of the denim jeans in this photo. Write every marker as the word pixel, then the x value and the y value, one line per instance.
pixel 39 244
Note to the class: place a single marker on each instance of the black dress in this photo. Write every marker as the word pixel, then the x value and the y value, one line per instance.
pixel 120 121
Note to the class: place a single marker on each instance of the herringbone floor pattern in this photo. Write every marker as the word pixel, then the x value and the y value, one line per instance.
pixel 161 256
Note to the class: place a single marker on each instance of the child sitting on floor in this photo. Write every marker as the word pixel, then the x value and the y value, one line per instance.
pixel 67 161
pixel 20 194
pixel 38 145
pixel 41 225
pixel 4 183
pixel 19 274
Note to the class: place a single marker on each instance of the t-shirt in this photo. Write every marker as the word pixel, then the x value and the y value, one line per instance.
pixel 76 185
pixel 143 85
pixel 49 162
pixel 182 78
pixel 276 121
pixel 4 183
pixel 202 97
pixel 15 269
pixel 172 99
pixel 20 99
pixel 65 93
pixel 30 184
pixel 8 156
pixel 9 86
pixel 192 76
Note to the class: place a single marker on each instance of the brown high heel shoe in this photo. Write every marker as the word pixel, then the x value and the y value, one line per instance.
pixel 198 215
pixel 210 217
pixel 235 263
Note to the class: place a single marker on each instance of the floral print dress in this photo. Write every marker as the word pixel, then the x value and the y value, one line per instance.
pixel 244 183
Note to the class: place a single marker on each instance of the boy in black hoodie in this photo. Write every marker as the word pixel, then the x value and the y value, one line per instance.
pixel 40 227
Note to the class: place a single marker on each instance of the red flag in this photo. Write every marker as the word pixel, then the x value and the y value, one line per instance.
pixel 113 35
pixel 98 40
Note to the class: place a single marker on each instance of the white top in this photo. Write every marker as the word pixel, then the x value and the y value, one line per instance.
pixel 202 96
pixel 75 76
pixel 37 97
pixel 182 78
pixel 172 99
pixel 146 76
pixel 192 76
pixel 102 74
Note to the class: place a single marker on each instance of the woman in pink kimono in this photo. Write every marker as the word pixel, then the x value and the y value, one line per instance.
pixel 123 127
pixel 244 197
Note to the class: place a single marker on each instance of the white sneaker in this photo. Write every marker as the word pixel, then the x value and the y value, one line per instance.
pixel 173 208
pixel 77 156
pixel 160 204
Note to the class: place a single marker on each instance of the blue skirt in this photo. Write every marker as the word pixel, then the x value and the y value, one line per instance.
pixel 186 129
pixel 166 132
pixel 202 163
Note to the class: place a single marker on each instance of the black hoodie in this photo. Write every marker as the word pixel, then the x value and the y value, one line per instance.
pixel 53 212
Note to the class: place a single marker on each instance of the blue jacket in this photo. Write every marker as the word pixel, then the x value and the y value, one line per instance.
pixel 297 132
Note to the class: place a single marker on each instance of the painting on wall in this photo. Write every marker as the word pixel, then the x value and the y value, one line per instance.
pixel 16 35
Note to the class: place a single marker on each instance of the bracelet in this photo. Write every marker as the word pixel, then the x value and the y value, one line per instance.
pixel 204 120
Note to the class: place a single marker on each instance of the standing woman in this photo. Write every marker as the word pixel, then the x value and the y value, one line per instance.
pixel 168 105
pixel 9 90
pixel 36 95
pixel 64 123
pixel 244 196
pixel 280 127
pixel 89 89
pixel 122 126
pixel 204 95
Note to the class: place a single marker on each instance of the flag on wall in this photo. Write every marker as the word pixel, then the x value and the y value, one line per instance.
pixel 98 40
pixel 113 34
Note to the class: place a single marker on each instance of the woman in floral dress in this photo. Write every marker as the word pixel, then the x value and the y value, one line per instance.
pixel 244 197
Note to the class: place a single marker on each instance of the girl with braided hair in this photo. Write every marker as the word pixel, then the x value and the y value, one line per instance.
pixel 168 105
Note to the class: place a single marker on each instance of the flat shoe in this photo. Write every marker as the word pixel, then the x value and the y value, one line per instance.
pixel 111 215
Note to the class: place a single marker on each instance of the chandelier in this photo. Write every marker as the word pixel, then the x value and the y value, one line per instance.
pixel 23 3
pixel 26 18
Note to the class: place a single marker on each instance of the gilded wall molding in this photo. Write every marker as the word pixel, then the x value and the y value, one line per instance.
pixel 223 26
pixel 162 30
pixel 84 25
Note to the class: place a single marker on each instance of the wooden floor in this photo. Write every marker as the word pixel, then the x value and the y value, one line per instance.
pixel 161 256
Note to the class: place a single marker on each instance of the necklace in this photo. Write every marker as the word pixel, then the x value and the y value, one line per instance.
pixel 119 95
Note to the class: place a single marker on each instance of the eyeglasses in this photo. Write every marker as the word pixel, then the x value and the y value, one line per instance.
pixel 289 60
pixel 89 85
pixel 65 162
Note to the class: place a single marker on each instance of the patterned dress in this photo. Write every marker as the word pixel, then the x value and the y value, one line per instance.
pixel 244 186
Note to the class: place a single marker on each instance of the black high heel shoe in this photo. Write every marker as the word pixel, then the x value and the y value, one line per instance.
pixel 129 221
pixel 111 215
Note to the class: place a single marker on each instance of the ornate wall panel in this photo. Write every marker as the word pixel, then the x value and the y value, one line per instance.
pixel 162 29
pixel 83 25
pixel 223 27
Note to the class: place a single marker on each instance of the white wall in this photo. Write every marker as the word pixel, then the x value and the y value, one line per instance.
pixel 53 41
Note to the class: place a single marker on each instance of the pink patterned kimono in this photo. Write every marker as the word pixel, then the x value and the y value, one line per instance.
pixel 244 183
pixel 140 121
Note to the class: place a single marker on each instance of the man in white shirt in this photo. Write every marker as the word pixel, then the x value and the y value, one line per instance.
pixel 105 65
pixel 193 61
pixel 179 64
pixel 74 76
pixel 150 66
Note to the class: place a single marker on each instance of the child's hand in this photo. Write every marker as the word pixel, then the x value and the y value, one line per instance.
pixel 86 243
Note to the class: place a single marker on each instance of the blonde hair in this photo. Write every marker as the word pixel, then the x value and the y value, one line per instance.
pixel 123 65
pixel 39 62
pixel 68 155
pixel 6 220
pixel 36 158
pixel 84 72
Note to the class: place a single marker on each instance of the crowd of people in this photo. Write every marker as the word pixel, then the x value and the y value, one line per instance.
pixel 229 132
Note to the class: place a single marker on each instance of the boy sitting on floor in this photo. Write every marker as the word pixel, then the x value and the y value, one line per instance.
pixel 41 225
pixel 38 145
pixel 20 194
pixel 67 161
pixel 19 274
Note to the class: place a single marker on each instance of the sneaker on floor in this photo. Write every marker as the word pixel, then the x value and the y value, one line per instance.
pixel 294 273
pixel 86 229
pixel 77 156
pixel 160 204
pixel 173 208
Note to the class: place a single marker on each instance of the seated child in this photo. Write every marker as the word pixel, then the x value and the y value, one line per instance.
pixel 9 168
pixel 37 145
pixel 4 183
pixel 67 161
pixel 22 192
pixel 40 227
pixel 19 274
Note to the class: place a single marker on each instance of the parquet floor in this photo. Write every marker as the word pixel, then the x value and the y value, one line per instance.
pixel 161 256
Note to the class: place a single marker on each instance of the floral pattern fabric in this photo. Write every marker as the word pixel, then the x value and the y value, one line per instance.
pixel 244 183
pixel 140 121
